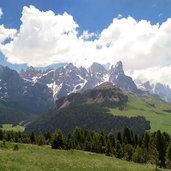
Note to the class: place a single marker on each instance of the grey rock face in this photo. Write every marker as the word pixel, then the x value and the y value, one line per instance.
pixel 30 73
pixel 118 77
pixel 32 97
pixel 69 78
pixel 163 91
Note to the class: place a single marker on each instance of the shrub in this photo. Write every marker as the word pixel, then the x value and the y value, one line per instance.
pixel 16 148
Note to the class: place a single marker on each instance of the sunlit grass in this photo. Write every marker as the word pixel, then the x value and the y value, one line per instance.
pixel 152 109
pixel 32 157
pixel 10 127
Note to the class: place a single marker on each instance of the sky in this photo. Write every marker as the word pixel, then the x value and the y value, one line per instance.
pixel 45 32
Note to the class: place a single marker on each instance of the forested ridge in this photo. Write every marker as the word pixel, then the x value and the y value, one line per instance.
pixel 91 117
pixel 89 110
pixel 11 112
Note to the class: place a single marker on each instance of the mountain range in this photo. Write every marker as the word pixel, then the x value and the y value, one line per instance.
pixel 32 91
pixel 69 79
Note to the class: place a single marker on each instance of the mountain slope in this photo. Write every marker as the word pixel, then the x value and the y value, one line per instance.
pixel 20 97
pixel 11 113
pixel 158 112
pixel 89 110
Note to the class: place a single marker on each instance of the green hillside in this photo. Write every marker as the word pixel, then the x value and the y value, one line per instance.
pixel 37 158
pixel 105 108
pixel 156 111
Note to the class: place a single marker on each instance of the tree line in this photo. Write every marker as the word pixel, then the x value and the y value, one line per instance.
pixel 154 148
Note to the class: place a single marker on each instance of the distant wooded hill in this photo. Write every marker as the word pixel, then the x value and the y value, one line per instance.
pixel 89 110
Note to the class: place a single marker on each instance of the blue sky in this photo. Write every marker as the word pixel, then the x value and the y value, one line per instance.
pixel 86 31
pixel 92 15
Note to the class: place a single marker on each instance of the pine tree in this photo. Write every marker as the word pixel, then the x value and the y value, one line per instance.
pixel 108 149
pixel 47 136
pixel 102 143
pixel 69 142
pixel 40 140
pixel 136 140
pixel 119 150
pixel 119 137
pixel 139 155
pixel 78 138
pixel 127 136
pixel 161 148
pixel 32 138
pixel 146 140
pixel 58 141
pixel 128 152
pixel 1 134
pixel 168 157
pixel 112 141
pixel 154 155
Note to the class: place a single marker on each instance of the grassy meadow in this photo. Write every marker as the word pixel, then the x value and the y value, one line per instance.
pixel 156 111
pixel 43 158
pixel 10 127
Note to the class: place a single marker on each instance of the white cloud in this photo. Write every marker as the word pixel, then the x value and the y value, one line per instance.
pixel 138 44
pixel 88 36
pixel 154 75
pixel 6 33
pixel 1 12
pixel 45 38
pixel 119 16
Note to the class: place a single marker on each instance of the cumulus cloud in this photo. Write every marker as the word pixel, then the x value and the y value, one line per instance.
pixel 138 43
pixel 45 38
pixel 6 34
pixel 154 75
pixel 1 12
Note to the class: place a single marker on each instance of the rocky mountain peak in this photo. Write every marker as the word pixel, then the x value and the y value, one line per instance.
pixel 118 77
pixel 30 72
pixel 118 68
pixel 97 68
pixel 69 66
pixel 31 68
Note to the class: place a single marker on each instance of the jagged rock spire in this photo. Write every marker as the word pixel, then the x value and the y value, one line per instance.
pixel 96 67
pixel 118 68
